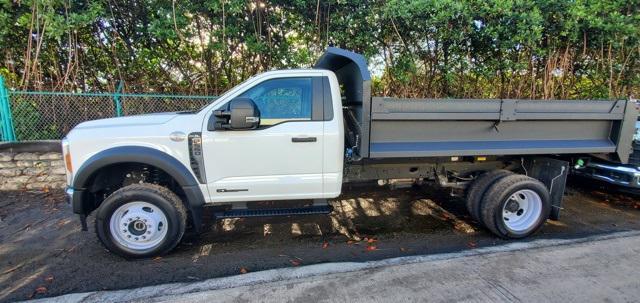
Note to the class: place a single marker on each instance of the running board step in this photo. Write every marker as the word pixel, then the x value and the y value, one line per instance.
pixel 273 212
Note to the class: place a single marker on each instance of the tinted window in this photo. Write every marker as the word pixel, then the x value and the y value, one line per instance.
pixel 279 100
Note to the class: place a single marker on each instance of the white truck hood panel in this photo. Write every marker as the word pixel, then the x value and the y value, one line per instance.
pixel 140 120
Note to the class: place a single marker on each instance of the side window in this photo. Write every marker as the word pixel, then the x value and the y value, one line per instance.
pixel 284 99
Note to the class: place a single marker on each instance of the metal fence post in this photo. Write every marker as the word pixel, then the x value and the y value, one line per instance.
pixel 116 99
pixel 8 132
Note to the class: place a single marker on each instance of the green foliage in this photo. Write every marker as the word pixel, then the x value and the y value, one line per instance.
pixel 29 125
pixel 427 48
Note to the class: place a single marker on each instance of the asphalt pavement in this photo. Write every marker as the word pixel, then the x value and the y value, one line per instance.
pixel 44 254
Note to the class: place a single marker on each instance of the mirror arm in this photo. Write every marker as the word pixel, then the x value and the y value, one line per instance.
pixel 222 119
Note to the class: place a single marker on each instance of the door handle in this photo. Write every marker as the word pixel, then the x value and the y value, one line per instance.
pixel 303 139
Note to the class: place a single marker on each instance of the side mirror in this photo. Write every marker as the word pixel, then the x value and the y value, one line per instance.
pixel 241 114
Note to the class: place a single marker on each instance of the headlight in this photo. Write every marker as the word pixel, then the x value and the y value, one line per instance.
pixel 66 156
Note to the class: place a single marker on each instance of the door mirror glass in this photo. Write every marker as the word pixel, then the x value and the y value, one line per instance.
pixel 240 114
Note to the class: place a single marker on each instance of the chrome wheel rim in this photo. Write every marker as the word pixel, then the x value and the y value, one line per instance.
pixel 138 226
pixel 522 210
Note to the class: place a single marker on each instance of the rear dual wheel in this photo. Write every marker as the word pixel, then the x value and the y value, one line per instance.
pixel 475 192
pixel 516 206
pixel 511 206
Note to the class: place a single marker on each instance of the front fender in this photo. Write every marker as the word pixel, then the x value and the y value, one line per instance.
pixel 143 155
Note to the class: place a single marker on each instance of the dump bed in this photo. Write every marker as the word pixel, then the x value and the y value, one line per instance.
pixel 379 127
pixel 431 127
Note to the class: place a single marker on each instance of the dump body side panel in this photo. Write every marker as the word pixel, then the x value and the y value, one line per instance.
pixel 465 127
pixel 626 128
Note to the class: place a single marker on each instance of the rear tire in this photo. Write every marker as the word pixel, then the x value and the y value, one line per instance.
pixel 477 190
pixel 141 221
pixel 516 206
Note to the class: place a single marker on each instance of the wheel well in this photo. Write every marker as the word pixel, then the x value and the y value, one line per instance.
pixel 112 177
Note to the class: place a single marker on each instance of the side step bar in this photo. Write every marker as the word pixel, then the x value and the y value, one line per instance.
pixel 273 212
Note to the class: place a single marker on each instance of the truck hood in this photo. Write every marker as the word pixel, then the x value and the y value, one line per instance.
pixel 140 120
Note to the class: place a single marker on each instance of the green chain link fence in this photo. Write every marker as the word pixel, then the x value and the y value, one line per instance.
pixel 50 115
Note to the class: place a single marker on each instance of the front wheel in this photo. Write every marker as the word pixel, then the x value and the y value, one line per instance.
pixel 516 206
pixel 140 221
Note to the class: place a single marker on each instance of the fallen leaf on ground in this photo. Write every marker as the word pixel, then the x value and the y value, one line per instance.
pixel 41 290
pixel 63 222
pixel 371 247
pixel 372 240
pixel 49 279
pixel 472 244
pixel 243 270
pixel 294 262
pixel 325 244
pixel 157 258
pixel 402 249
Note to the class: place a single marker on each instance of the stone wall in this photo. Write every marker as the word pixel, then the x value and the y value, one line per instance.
pixel 31 171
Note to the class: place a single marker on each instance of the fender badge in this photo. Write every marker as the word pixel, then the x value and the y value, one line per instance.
pixel 177 136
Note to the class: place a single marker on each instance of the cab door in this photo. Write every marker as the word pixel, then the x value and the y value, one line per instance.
pixel 283 157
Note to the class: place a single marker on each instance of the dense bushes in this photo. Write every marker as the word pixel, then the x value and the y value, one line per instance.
pixel 427 48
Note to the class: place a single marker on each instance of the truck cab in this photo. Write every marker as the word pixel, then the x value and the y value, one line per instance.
pixel 293 149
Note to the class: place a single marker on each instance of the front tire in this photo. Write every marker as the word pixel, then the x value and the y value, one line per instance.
pixel 141 221
pixel 516 206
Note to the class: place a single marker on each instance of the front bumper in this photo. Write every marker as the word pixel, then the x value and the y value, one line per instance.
pixel 69 193
pixel 625 176
pixel 74 198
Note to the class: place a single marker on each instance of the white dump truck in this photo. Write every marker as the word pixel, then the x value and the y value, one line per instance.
pixel 300 134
